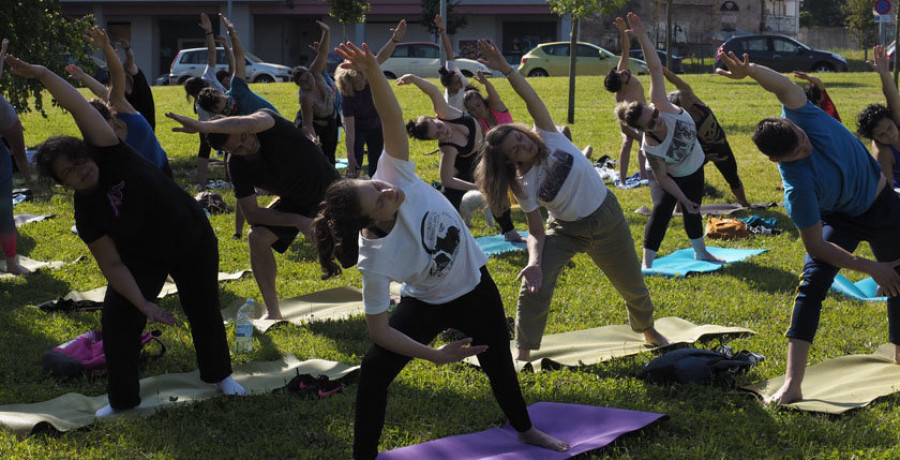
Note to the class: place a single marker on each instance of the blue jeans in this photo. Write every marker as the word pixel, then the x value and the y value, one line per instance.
pixel 879 226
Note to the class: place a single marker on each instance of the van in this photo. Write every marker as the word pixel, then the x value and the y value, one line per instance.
pixel 192 61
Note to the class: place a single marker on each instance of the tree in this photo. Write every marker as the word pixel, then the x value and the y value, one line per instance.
pixel 823 13
pixel 860 22
pixel 579 9
pixel 348 11
pixel 39 33
pixel 453 22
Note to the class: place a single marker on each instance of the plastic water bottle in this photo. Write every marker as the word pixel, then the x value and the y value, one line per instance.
pixel 243 328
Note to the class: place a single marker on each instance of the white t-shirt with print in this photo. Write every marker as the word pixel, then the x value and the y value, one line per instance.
pixel 457 100
pixel 680 149
pixel 429 250
pixel 566 184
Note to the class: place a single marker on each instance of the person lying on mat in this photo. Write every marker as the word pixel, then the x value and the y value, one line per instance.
pixel 626 88
pixel 398 217
pixel 267 151
pixel 674 154
pixel 459 138
pixel 837 196
pixel 543 168
pixel 140 226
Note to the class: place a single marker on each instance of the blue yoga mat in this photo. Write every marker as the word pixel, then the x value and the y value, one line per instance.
pixel 860 290
pixel 681 262
pixel 497 244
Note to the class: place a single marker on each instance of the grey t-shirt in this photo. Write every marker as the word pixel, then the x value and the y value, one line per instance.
pixel 8 115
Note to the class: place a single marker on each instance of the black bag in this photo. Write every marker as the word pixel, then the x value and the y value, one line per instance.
pixel 696 365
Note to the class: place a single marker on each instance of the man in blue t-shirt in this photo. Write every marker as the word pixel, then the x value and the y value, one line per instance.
pixel 837 196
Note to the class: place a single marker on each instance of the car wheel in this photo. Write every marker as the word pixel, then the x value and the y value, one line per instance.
pixel 538 73
pixel 823 67
pixel 263 79
pixel 183 79
pixel 389 75
pixel 467 74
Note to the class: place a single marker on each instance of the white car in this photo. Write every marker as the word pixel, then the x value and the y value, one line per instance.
pixel 191 62
pixel 424 59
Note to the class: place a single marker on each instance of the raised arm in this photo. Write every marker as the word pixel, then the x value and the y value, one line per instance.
pixel 392 125
pixel 387 50
pixel 624 43
pixel 883 68
pixel 206 25
pixel 657 81
pixel 93 127
pixel 493 98
pixel 680 84
pixel 791 95
pixel 129 64
pixel 534 104
pixel 99 39
pixel 254 123
pixel 441 107
pixel 321 60
pixel 229 56
pixel 240 66
pixel 445 40
pixel 88 81
pixel 812 79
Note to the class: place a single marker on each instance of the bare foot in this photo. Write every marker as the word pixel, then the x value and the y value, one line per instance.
pixel 653 337
pixel 785 395
pixel 524 354
pixel 707 256
pixel 16 269
pixel 541 439
pixel 272 316
pixel 513 237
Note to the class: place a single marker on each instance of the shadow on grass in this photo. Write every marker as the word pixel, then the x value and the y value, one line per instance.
pixel 762 278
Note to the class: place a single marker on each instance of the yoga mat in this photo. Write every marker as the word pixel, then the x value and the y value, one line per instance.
pixel 592 346
pixel 841 384
pixel 585 428
pixel 497 244
pixel 682 262
pixel 337 303
pixel 715 209
pixel 30 264
pixel 22 219
pixel 865 290
pixel 73 410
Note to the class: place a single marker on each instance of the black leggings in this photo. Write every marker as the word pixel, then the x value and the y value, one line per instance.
pixel 479 314
pixel 196 275
pixel 692 187
pixel 728 167
pixel 455 197
pixel 205 149
pixel 371 140
pixel 328 136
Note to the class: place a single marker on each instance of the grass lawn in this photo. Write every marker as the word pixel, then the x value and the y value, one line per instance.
pixel 429 401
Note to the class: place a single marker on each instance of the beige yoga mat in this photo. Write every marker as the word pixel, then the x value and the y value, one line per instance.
pixel 73 410
pixel 714 209
pixel 168 288
pixel 338 303
pixel 30 264
pixel 841 384
pixel 592 346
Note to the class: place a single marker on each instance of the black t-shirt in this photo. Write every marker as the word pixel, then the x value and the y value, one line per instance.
pixel 147 215
pixel 141 98
pixel 287 164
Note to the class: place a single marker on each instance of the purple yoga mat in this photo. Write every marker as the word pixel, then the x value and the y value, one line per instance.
pixel 585 428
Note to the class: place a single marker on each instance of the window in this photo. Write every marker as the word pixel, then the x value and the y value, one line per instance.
pixel 401 51
pixel 557 50
pixel 428 52
pixel 194 57
pixel 588 51
pixel 785 46
pixel 756 44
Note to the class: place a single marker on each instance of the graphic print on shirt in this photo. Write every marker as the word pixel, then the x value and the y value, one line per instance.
pixel 556 174
pixel 682 141
pixel 440 238
pixel 115 195
pixel 709 130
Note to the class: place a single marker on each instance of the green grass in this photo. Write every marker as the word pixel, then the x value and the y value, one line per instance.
pixel 429 401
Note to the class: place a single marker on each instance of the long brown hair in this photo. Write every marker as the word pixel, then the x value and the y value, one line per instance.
pixel 337 227
pixel 495 174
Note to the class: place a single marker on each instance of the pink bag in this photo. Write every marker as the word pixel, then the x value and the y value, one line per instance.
pixel 84 354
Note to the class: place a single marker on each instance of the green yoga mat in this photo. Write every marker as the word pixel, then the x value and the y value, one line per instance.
pixel 841 384
pixel 73 410
pixel 592 346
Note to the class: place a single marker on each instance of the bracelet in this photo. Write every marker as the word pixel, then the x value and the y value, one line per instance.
pixel 506 74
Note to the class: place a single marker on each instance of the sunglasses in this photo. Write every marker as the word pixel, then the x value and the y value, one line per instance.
pixel 653 122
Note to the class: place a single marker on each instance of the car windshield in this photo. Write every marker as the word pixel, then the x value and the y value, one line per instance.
pixel 252 57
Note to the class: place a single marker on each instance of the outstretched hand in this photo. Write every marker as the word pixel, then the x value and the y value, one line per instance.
pixel 455 351
pixel 97 37
pixel 323 26
pixel 205 24
pixel 157 315
pixel 439 23
pixel 228 25
pixel 480 77
pixel 492 56
pixel 188 124
pixel 690 207
pixel 533 276
pixel 398 32
pixel 881 63
pixel 74 71
pixel 362 59
pixel 620 24
pixel 637 26
pixel 887 278
pixel 24 69
pixel 405 79
pixel 737 68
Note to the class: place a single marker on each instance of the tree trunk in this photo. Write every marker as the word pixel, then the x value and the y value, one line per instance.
pixel 573 52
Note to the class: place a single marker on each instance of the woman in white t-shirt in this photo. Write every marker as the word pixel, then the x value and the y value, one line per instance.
pixel 673 153
pixel 398 217
pixel 543 168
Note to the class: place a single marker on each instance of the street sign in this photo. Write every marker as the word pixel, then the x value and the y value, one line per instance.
pixel 882 7
pixel 883 18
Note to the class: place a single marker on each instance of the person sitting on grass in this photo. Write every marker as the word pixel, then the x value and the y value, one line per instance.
pixel 141 227
pixel 626 88
pixel 459 139
pixel 397 216
pixel 710 134
pixel 267 151
pixel 877 122
pixel 837 196
pixel 543 168
pixel 674 153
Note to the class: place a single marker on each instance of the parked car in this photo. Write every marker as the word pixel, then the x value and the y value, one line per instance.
pixel 424 59
pixel 782 54
pixel 191 62
pixel 94 65
pixel 676 60
pixel 552 59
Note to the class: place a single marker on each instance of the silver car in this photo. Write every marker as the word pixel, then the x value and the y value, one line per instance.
pixel 191 62
pixel 424 59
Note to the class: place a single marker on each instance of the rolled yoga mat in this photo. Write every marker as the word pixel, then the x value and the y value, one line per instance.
pixel 865 290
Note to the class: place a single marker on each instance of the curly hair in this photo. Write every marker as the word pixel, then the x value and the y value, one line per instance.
pixel 193 86
pixel 337 226
pixel 612 82
pixel 206 99
pixel 869 118
pixel 55 147
pixel 775 137
pixel 343 78
pixel 494 174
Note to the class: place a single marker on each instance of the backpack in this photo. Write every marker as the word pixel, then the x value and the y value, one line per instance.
pixel 212 202
pixel 726 228
pixel 84 354
pixel 699 366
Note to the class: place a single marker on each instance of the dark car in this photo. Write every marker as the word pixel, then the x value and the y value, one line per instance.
pixel 676 60
pixel 782 54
